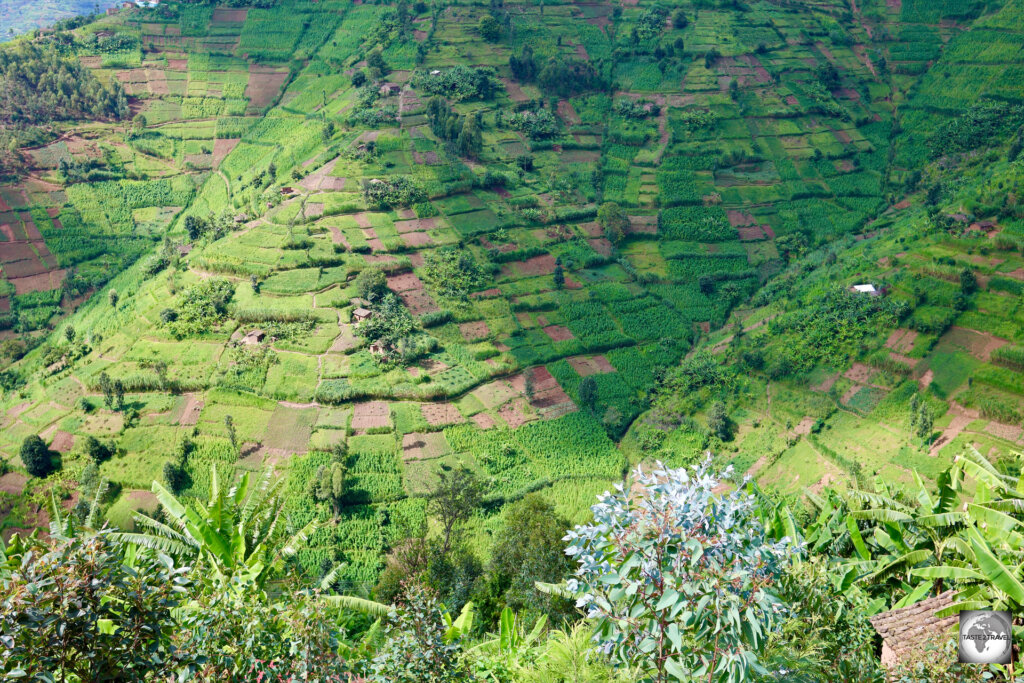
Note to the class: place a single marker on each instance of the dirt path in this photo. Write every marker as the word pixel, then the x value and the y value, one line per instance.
pixel 961 418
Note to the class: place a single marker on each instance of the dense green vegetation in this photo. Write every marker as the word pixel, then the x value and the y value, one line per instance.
pixel 344 306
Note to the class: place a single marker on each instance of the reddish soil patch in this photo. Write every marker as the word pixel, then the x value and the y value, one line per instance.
pixel 791 100
pixel 901 340
pixel 417 239
pixel 842 136
pixel 601 245
pixel 437 414
pixel 515 93
pixel 538 265
pixel 483 420
pixel 645 225
pixel 1004 431
pixel 177 64
pixel 961 418
pixel 418 302
pixel 62 442
pixel 415 225
pixel 42 282
pixel 362 220
pixel 432 367
pixel 190 412
pixel 416 446
pixel 314 210
pixel 404 282
pixel 221 148
pixel 93 62
pixel 474 331
pixel 738 218
pixel 371 414
pixel 591 365
pixel 859 373
pixel 804 426
pixel 751 233
pixel 826 384
pixel 981 345
pixel 491 293
pixel 547 396
pixel 925 380
pixel 568 114
pixel 558 333
pixel 906 360
pixel 264 85
pixel 13 483
pixel 515 414
pixel 337 237
pixel 226 15
pixel 495 393
pixel 850 393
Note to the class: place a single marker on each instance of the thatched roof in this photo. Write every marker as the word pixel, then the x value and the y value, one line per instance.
pixel 908 629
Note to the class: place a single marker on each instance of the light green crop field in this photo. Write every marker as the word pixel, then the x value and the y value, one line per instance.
pixel 762 161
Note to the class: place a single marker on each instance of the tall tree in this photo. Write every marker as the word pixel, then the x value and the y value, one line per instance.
pixel 453 501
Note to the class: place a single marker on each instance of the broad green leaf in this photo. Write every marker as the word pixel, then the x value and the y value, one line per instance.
pixel 858 540
pixel 947 572
pixel 995 571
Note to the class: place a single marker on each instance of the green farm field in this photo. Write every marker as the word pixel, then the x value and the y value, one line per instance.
pixel 607 237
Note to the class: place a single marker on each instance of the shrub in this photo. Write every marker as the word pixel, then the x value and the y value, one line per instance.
pixel 712 607
pixel 36 456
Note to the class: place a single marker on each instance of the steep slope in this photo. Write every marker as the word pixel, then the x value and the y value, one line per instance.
pixel 528 325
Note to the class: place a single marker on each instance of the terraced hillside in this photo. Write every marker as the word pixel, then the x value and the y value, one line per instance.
pixel 419 238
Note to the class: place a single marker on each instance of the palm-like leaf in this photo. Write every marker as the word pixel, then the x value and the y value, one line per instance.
pixel 362 605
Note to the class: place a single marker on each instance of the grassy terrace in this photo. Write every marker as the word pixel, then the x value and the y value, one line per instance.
pixel 761 135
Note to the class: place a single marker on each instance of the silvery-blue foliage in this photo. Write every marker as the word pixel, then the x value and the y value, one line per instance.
pixel 678 576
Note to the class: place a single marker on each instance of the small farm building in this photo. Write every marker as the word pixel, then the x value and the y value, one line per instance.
pixel 906 632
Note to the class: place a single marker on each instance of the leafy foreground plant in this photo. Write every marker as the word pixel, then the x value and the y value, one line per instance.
pixel 679 577
pixel 239 530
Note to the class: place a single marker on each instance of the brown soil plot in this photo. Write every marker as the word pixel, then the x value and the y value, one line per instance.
pixel 424 446
pixel 264 84
pixel 558 333
pixel 591 365
pixel 437 414
pixel 404 282
pixel 474 330
pixel 370 415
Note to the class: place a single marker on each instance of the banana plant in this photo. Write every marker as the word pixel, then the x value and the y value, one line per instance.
pixel 989 573
pixel 895 530
pixel 239 531
pixel 462 626
pixel 512 638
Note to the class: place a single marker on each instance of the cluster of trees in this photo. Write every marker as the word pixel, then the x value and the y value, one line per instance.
pixel 524 67
pixel 459 83
pixel 198 308
pixel 560 75
pixel 538 124
pixel 743 590
pixel 40 85
pixel 461 134
pixel 453 273
pixel 392 192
